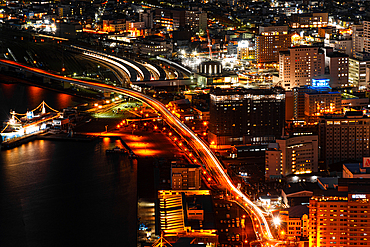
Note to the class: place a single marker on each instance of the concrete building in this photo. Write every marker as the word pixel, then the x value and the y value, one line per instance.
pixel 337 66
pixel 185 177
pixel 295 222
pixel 356 170
pixel 309 20
pixel 171 19
pixel 366 25
pixel 299 65
pixel 246 116
pixel 357 72
pixel 196 20
pixel 321 103
pixel 270 41
pixel 293 155
pixel 340 217
pixel 153 46
pixel 344 137
pixel 357 39
pixel 341 45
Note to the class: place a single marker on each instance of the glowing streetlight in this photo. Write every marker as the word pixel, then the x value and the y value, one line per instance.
pixel 276 221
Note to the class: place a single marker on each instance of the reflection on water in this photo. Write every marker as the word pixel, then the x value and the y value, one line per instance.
pixel 20 98
pixel 63 193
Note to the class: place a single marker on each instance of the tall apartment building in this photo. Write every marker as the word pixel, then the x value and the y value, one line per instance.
pixel 366 36
pixel 340 217
pixel 196 20
pixel 341 45
pixel 246 116
pixel 344 137
pixel 292 155
pixel 337 66
pixel 357 39
pixel 270 41
pixel 299 65
pixel 357 71
pixel 172 19
pixel 185 177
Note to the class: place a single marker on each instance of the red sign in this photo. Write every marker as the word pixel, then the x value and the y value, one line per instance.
pixel 366 162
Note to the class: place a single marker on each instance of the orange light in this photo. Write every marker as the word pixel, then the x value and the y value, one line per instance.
pixel 213 142
pixel 63 69
pixel 204 172
pixel 134 125
pixel 195 160
pixel 135 108
pixel 204 133
pixel 96 104
pixel 164 128
pixel 243 215
pixel 282 233
pixel 190 154
pixel 34 62
pixel 186 149
pixel 118 126
pixel 146 115
pixel 180 144
pixel 209 179
pixel 175 138
pixel 100 106
pixel 155 127
pixel 170 134
pixel 205 123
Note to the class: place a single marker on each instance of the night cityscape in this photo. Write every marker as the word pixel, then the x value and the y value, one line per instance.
pixel 220 123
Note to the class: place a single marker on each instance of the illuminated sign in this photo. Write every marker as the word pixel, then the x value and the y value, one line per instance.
pixel 365 162
pixel 243 44
pixel 358 196
pixel 320 83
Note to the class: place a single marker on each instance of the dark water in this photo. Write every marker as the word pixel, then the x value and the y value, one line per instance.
pixel 66 193
pixel 20 97
pixel 55 193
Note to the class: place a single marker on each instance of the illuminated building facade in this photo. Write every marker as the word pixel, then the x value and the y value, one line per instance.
pixel 366 36
pixel 293 155
pixel 153 46
pixel 337 65
pixel 309 20
pixel 196 20
pixel 357 72
pixel 245 51
pixel 299 65
pixel 295 222
pixel 185 177
pixel 270 41
pixel 172 19
pixel 114 25
pixel 318 104
pixel 344 137
pixel 340 217
pixel 246 116
pixel 357 39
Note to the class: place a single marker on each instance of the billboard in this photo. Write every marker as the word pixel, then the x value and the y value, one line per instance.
pixel 320 83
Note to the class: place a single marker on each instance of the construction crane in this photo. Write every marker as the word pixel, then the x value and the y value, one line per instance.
pixel 209 45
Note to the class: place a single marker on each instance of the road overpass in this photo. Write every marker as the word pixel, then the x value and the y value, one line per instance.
pixel 203 151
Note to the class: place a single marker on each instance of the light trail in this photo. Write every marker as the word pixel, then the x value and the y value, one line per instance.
pixel 204 152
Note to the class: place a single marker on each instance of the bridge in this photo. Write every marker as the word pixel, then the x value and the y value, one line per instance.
pixel 208 159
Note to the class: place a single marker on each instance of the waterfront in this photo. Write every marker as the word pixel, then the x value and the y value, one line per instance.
pixel 58 193
pixel 63 193
pixel 20 97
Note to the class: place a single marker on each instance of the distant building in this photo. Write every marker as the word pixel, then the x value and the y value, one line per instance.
pixel 153 46
pixel 340 217
pixel 246 116
pixel 270 41
pixel 357 39
pixel 366 36
pixel 309 20
pixel 321 103
pixel 293 155
pixel 344 137
pixel 171 19
pixel 185 177
pixel 295 222
pixel 196 20
pixel 357 71
pixel 355 170
pixel 337 66
pixel 299 65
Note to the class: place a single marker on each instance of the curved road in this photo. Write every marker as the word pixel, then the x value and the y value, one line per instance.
pixel 208 158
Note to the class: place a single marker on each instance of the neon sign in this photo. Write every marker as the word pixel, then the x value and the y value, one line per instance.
pixel 320 83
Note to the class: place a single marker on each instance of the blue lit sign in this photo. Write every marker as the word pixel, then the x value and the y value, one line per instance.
pixel 320 83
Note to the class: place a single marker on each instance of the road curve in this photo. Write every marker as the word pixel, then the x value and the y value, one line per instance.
pixel 208 158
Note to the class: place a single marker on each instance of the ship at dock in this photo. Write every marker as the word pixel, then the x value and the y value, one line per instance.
pixel 21 126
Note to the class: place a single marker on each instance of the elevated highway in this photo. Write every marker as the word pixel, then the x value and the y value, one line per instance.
pixel 205 154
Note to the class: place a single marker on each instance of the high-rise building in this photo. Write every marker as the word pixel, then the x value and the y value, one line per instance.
pixel 340 217
pixel 246 116
pixel 344 137
pixel 366 36
pixel 336 65
pixel 292 155
pixel 321 103
pixel 299 65
pixel 196 20
pixel 357 71
pixel 172 19
pixel 357 39
pixel 270 41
